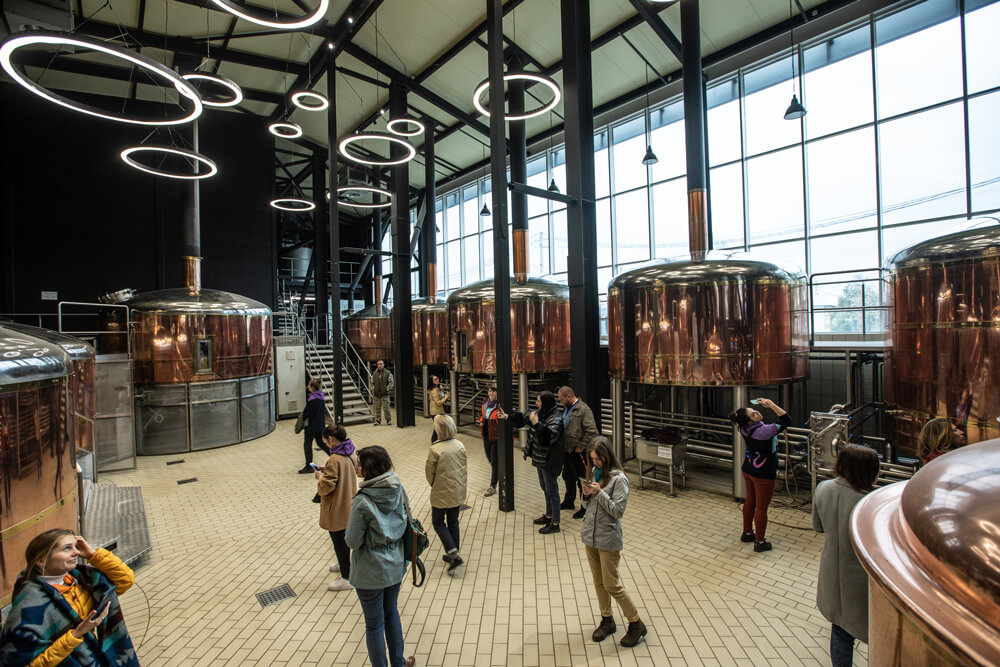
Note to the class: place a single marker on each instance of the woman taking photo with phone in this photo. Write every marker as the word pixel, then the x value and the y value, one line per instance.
pixel 65 610
pixel 605 494
pixel 375 535
pixel 760 466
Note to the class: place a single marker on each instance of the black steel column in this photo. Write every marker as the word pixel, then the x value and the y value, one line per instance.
pixel 335 324
pixel 501 259
pixel 191 230
pixel 581 216
pixel 699 234
pixel 518 147
pixel 321 272
pixel 402 316
pixel 428 249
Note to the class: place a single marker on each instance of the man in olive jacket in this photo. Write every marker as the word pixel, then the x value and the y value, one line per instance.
pixel 382 384
pixel 580 428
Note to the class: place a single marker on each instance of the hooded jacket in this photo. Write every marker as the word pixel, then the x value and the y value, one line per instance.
pixel 336 487
pixel 547 441
pixel 602 524
pixel 447 472
pixel 375 533
pixel 315 412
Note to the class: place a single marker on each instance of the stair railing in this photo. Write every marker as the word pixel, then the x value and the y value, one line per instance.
pixel 357 369
pixel 325 375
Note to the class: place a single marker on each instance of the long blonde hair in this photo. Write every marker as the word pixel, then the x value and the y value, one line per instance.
pixel 936 435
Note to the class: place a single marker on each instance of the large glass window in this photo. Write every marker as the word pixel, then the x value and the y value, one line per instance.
pixel 725 142
pixel 602 174
pixel 629 147
pixel 472 259
pixel 768 92
pixel 727 206
pixel 667 141
pixel 632 226
pixel 452 217
pixel 842 182
pixel 837 84
pixel 560 242
pixel 537 179
pixel 538 246
pixel 982 48
pixel 670 218
pixel 470 210
pixel 774 185
pixel 984 146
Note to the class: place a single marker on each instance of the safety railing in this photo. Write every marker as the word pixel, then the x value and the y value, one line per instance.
pixel 357 369
pixel 862 308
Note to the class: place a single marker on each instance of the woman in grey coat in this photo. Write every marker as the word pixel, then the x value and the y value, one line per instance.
pixel 605 495
pixel 842 589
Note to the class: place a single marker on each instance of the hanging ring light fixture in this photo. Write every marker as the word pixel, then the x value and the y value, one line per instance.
pixel 346 142
pixel 293 204
pixel 533 77
pixel 21 40
pixel 405 126
pixel 227 83
pixel 307 100
pixel 285 130
pixel 197 158
pixel 260 18
pixel 344 196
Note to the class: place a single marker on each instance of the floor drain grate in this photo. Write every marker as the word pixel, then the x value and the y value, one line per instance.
pixel 188 480
pixel 275 595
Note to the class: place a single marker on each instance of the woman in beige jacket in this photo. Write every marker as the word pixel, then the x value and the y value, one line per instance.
pixel 337 482
pixel 438 396
pixel 447 473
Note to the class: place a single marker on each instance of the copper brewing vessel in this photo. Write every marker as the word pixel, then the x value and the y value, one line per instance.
pixel 37 463
pixel 186 335
pixel 539 324
pixel 370 332
pixel 945 326
pixel 930 548
pixel 723 320
pixel 430 332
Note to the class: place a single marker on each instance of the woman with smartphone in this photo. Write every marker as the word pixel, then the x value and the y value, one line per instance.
pixel 605 495
pixel 67 610
pixel 760 466
pixel 336 484
pixel 489 414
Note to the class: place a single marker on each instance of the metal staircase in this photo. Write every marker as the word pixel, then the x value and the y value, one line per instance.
pixel 319 362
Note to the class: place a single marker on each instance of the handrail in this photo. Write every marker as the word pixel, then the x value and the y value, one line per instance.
pixel 863 308
pixel 355 366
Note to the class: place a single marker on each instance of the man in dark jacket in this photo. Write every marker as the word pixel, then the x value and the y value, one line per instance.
pixel 547 449
pixel 580 428
pixel 382 384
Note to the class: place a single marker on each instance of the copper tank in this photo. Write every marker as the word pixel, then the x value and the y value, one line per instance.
pixel 370 332
pixel 724 320
pixel 539 324
pixel 945 326
pixel 430 332
pixel 187 335
pixel 37 463
pixel 930 548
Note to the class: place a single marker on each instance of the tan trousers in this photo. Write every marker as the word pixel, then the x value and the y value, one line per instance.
pixel 381 404
pixel 607 583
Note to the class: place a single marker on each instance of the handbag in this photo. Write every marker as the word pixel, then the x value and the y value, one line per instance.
pixel 415 542
pixel 300 422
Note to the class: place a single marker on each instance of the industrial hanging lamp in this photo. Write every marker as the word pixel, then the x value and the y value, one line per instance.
pixel 650 157
pixel 485 212
pixel 795 110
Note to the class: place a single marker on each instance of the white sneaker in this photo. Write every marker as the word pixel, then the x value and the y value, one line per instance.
pixel 339 584
pixel 334 567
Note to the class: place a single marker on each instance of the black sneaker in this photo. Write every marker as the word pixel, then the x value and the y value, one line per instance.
pixel 316 498
pixel 579 514
pixel 543 520
pixel 747 536
pixel 761 546
pixel 446 558
pixel 605 629
pixel 567 506
pixel 454 563
pixel 551 528
pixel 306 470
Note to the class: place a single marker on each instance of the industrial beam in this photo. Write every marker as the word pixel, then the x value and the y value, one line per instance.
pixel 652 18
pixel 402 315
pixel 336 326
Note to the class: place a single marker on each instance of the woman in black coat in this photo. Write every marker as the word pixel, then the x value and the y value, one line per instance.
pixel 314 416
pixel 547 449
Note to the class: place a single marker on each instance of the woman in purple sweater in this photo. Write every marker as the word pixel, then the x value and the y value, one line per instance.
pixel 760 467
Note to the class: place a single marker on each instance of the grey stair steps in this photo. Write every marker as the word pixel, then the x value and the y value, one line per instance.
pixel 133 538
pixel 100 520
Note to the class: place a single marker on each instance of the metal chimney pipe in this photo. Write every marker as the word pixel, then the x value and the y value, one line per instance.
pixel 694 129
pixel 191 226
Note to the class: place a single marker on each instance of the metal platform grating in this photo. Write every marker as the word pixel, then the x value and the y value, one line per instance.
pixel 275 595
pixel 100 521
pixel 133 532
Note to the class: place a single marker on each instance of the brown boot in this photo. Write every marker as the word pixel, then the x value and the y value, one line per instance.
pixel 636 631
pixel 605 629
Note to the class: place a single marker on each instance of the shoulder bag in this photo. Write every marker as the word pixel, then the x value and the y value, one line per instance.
pixel 415 542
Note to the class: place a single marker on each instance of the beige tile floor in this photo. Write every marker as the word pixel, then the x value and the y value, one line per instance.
pixel 523 599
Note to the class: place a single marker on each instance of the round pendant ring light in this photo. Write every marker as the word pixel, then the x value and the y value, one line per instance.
pixel 169 150
pixel 240 10
pixel 523 76
pixel 285 130
pixel 405 126
pixel 215 79
pixel 343 190
pixel 31 38
pixel 293 204
pixel 411 152
pixel 307 100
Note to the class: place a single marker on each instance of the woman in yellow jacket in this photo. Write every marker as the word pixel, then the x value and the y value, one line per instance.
pixel 54 617
pixel 448 474
pixel 438 396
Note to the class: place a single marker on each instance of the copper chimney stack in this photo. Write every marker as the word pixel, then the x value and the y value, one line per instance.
pixel 191 227
pixel 378 290
pixel 520 256
pixel 694 130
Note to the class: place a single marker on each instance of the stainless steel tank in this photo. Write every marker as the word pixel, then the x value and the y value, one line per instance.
pixel 723 320
pixel 930 548
pixel 539 324
pixel 430 332
pixel 945 326
pixel 37 463
pixel 370 332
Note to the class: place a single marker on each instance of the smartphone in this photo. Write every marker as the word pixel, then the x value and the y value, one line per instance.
pixel 583 480
pixel 105 601
pixel 754 401
pixel 315 467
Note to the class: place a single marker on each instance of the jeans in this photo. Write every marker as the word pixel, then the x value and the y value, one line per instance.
pixel 307 444
pixel 575 466
pixel 550 487
pixel 759 494
pixel 343 552
pixel 491 449
pixel 841 647
pixel 448 534
pixel 382 625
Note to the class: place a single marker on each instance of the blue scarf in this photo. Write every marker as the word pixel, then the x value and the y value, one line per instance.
pixel 597 474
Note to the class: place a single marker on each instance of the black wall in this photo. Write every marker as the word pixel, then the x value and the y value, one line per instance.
pixel 75 219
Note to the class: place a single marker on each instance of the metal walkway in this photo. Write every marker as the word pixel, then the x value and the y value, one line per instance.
pixel 116 519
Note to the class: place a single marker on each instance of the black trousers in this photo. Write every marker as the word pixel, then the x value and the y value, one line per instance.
pixel 343 552
pixel 574 466
pixel 491 449
pixel 307 444
pixel 445 522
